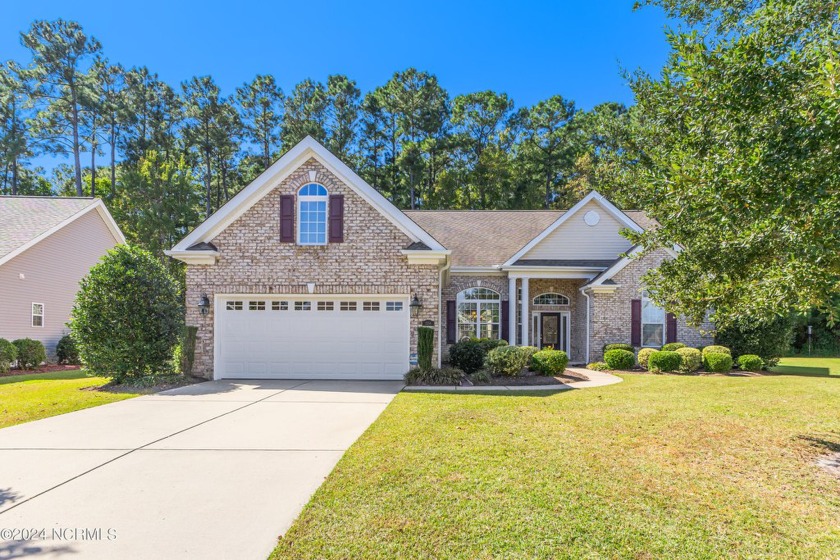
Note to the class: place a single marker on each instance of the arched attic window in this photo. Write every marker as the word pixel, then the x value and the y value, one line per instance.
pixel 479 313
pixel 551 298
pixel 312 214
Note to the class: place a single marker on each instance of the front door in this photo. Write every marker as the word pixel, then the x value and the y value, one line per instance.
pixel 554 328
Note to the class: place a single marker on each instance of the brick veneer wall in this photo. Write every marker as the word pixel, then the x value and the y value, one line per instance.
pixel 576 309
pixel 254 261
pixel 611 311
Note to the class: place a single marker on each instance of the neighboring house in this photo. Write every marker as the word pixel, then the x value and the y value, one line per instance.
pixel 309 272
pixel 47 244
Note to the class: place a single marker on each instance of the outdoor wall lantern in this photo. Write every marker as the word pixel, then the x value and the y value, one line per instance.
pixel 204 304
pixel 415 306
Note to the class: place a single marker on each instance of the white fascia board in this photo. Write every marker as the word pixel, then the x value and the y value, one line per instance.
pixel 278 172
pixel 552 272
pixel 194 257
pixel 477 270
pixel 619 266
pixel 425 256
pixel 593 195
pixel 97 205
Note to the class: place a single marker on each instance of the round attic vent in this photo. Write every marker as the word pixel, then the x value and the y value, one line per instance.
pixel 592 218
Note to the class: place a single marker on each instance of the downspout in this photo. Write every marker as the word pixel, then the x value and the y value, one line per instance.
pixel 443 271
pixel 583 291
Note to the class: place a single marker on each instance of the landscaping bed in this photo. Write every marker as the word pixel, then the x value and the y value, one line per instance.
pixel 44 368
pixel 530 378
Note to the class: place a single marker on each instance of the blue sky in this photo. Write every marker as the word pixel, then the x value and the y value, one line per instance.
pixel 529 49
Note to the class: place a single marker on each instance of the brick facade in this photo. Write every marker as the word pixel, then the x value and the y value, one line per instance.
pixel 611 311
pixel 254 261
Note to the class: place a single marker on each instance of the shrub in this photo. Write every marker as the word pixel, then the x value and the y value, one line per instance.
pixel 598 366
pixel 425 346
pixel 66 351
pixel 750 362
pixel 529 352
pixel 769 339
pixel 691 358
pixel 713 349
pixel 618 346
pixel 467 356
pixel 644 354
pixel 433 376
pixel 505 361
pixel 620 359
pixel 549 362
pixel 186 358
pixel 673 346
pixel 664 361
pixel 30 353
pixel 128 315
pixel 717 362
pixel 481 377
pixel 8 354
pixel 488 344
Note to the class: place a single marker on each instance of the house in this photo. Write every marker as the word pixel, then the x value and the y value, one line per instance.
pixel 309 272
pixel 47 245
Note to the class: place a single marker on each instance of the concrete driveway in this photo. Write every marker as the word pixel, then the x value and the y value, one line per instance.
pixel 215 470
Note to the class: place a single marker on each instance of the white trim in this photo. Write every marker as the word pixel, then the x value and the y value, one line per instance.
pixel 278 172
pixel 97 205
pixel 459 299
pixel 299 200
pixel 425 257
pixel 477 270
pixel 621 264
pixel 194 257
pixel 512 301
pixel 554 272
pixel 588 320
pixel 534 299
pixel 643 323
pixel 593 195
pixel 32 315
pixel 525 304
pixel 537 334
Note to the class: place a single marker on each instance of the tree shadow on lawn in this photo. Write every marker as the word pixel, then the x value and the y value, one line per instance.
pixel 803 371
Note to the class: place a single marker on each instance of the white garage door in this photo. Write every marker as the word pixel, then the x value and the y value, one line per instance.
pixel 305 337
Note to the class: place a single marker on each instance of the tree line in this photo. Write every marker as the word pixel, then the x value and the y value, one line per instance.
pixel 165 158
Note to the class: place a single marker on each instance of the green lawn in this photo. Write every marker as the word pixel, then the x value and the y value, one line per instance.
pixel 809 366
pixel 656 467
pixel 24 398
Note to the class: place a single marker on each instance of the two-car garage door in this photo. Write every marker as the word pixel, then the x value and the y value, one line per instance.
pixel 308 337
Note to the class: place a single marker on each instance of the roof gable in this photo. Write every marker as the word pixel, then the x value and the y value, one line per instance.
pixel 26 220
pixel 548 245
pixel 280 170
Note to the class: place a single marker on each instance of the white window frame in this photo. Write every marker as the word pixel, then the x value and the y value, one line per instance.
pixel 307 199
pixel 646 301
pixel 534 301
pixel 42 315
pixel 481 304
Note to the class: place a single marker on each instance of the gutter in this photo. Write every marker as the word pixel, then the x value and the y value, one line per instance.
pixel 440 308
pixel 583 291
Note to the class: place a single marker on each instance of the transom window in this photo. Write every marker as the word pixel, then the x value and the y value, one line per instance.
pixel 256 306
pixel 653 323
pixel 478 313
pixel 233 306
pixel 393 306
pixel 551 299
pixel 303 305
pixel 37 315
pixel 279 305
pixel 370 306
pixel 326 305
pixel 312 214
pixel 348 306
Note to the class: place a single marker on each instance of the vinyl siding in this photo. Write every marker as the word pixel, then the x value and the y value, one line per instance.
pixel 576 240
pixel 52 270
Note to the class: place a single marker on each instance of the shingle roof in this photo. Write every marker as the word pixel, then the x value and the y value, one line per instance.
pixel 491 237
pixel 23 218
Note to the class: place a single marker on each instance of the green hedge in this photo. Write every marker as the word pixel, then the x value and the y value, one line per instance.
pixel 507 361
pixel 66 351
pixel 664 361
pixel 467 355
pixel 717 362
pixel 673 346
pixel 425 346
pixel 620 359
pixel 750 362
pixel 691 358
pixel 30 353
pixel 644 354
pixel 434 376
pixel 716 349
pixel 8 354
pixel 549 362
pixel 617 346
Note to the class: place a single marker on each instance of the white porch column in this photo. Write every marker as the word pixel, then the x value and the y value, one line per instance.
pixel 512 311
pixel 526 320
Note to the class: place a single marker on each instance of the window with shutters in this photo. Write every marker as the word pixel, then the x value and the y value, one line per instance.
pixel 479 313
pixel 312 214
pixel 653 323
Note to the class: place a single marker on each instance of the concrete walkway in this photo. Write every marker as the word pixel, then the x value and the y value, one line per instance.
pixel 596 379
pixel 215 470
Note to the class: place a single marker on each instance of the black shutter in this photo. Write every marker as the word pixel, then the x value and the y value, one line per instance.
pixel 336 225
pixel 451 322
pixel 670 328
pixel 287 218
pixel 636 322
pixel 505 315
